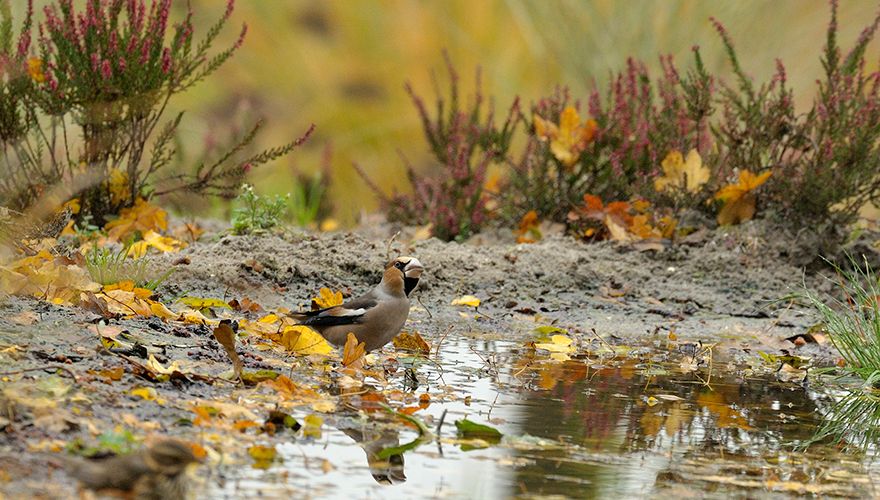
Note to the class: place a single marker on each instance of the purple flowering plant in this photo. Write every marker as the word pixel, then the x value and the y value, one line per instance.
pixel 93 87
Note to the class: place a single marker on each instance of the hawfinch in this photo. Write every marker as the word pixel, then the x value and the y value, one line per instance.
pixel 154 472
pixel 375 317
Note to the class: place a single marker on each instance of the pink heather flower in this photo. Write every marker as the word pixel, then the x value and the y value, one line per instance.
pixel 780 73
pixel 145 50
pixel 164 11
pixel 106 70
pixel 166 60
pixel 24 43
pixel 96 61
pixel 230 6
pixel 121 64
pixel 113 42
pixel 247 167
pixel 244 29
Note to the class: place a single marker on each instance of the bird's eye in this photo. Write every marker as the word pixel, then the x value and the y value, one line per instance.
pixel 400 265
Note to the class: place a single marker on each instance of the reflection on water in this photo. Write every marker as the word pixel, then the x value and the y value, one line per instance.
pixel 640 424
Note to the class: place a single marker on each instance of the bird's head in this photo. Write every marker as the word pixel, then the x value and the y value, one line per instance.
pixel 403 274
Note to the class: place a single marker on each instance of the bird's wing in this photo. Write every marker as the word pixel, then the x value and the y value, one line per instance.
pixel 348 313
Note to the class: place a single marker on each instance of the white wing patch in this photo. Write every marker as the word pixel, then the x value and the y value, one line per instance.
pixel 351 312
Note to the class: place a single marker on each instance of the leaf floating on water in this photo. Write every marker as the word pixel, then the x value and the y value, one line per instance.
pixel 559 346
pixel 312 427
pixel 467 300
pixel 263 456
pixel 414 342
pixel 470 429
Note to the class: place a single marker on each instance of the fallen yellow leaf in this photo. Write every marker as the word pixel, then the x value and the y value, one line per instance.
pixel 304 341
pixel 680 173
pixel 326 298
pixel 147 394
pixel 142 217
pixel 467 300
pixel 569 139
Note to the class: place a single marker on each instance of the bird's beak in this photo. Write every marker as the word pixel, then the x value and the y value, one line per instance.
pixel 413 269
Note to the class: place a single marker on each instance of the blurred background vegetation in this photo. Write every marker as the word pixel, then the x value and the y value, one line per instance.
pixel 342 66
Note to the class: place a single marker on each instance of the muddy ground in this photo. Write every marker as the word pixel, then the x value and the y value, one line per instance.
pixel 726 286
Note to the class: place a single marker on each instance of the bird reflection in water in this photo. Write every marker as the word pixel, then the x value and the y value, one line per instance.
pixel 375 439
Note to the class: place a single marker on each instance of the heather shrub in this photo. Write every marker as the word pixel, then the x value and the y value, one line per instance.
pixel 825 162
pixel 616 151
pixel 87 106
pixel 464 140
pixel 630 161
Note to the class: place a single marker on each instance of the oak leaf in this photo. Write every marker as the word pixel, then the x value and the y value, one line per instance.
pixel 680 173
pixel 739 199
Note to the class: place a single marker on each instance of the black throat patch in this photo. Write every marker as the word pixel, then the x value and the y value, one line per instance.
pixel 409 284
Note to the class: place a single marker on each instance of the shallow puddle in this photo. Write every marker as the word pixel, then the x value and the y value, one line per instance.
pixel 645 423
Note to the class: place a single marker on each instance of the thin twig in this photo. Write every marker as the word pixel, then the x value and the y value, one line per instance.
pixel 419 299
pixel 24 370
pixel 440 342
pixel 388 246
pixel 602 340
pixel 440 423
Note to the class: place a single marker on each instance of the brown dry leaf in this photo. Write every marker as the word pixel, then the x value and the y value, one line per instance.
pixel 245 305
pixel 226 337
pixel 739 199
pixel 353 352
pixel 287 388
pixel 411 342
pixel 112 374
pixel 90 302
pixel 326 298
pixel 611 220
pixel 189 231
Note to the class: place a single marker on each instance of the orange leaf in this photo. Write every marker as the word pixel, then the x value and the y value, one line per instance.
pixel 739 199
pixel 737 210
pixel 592 202
pixel 411 342
pixel 528 231
pixel 353 352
